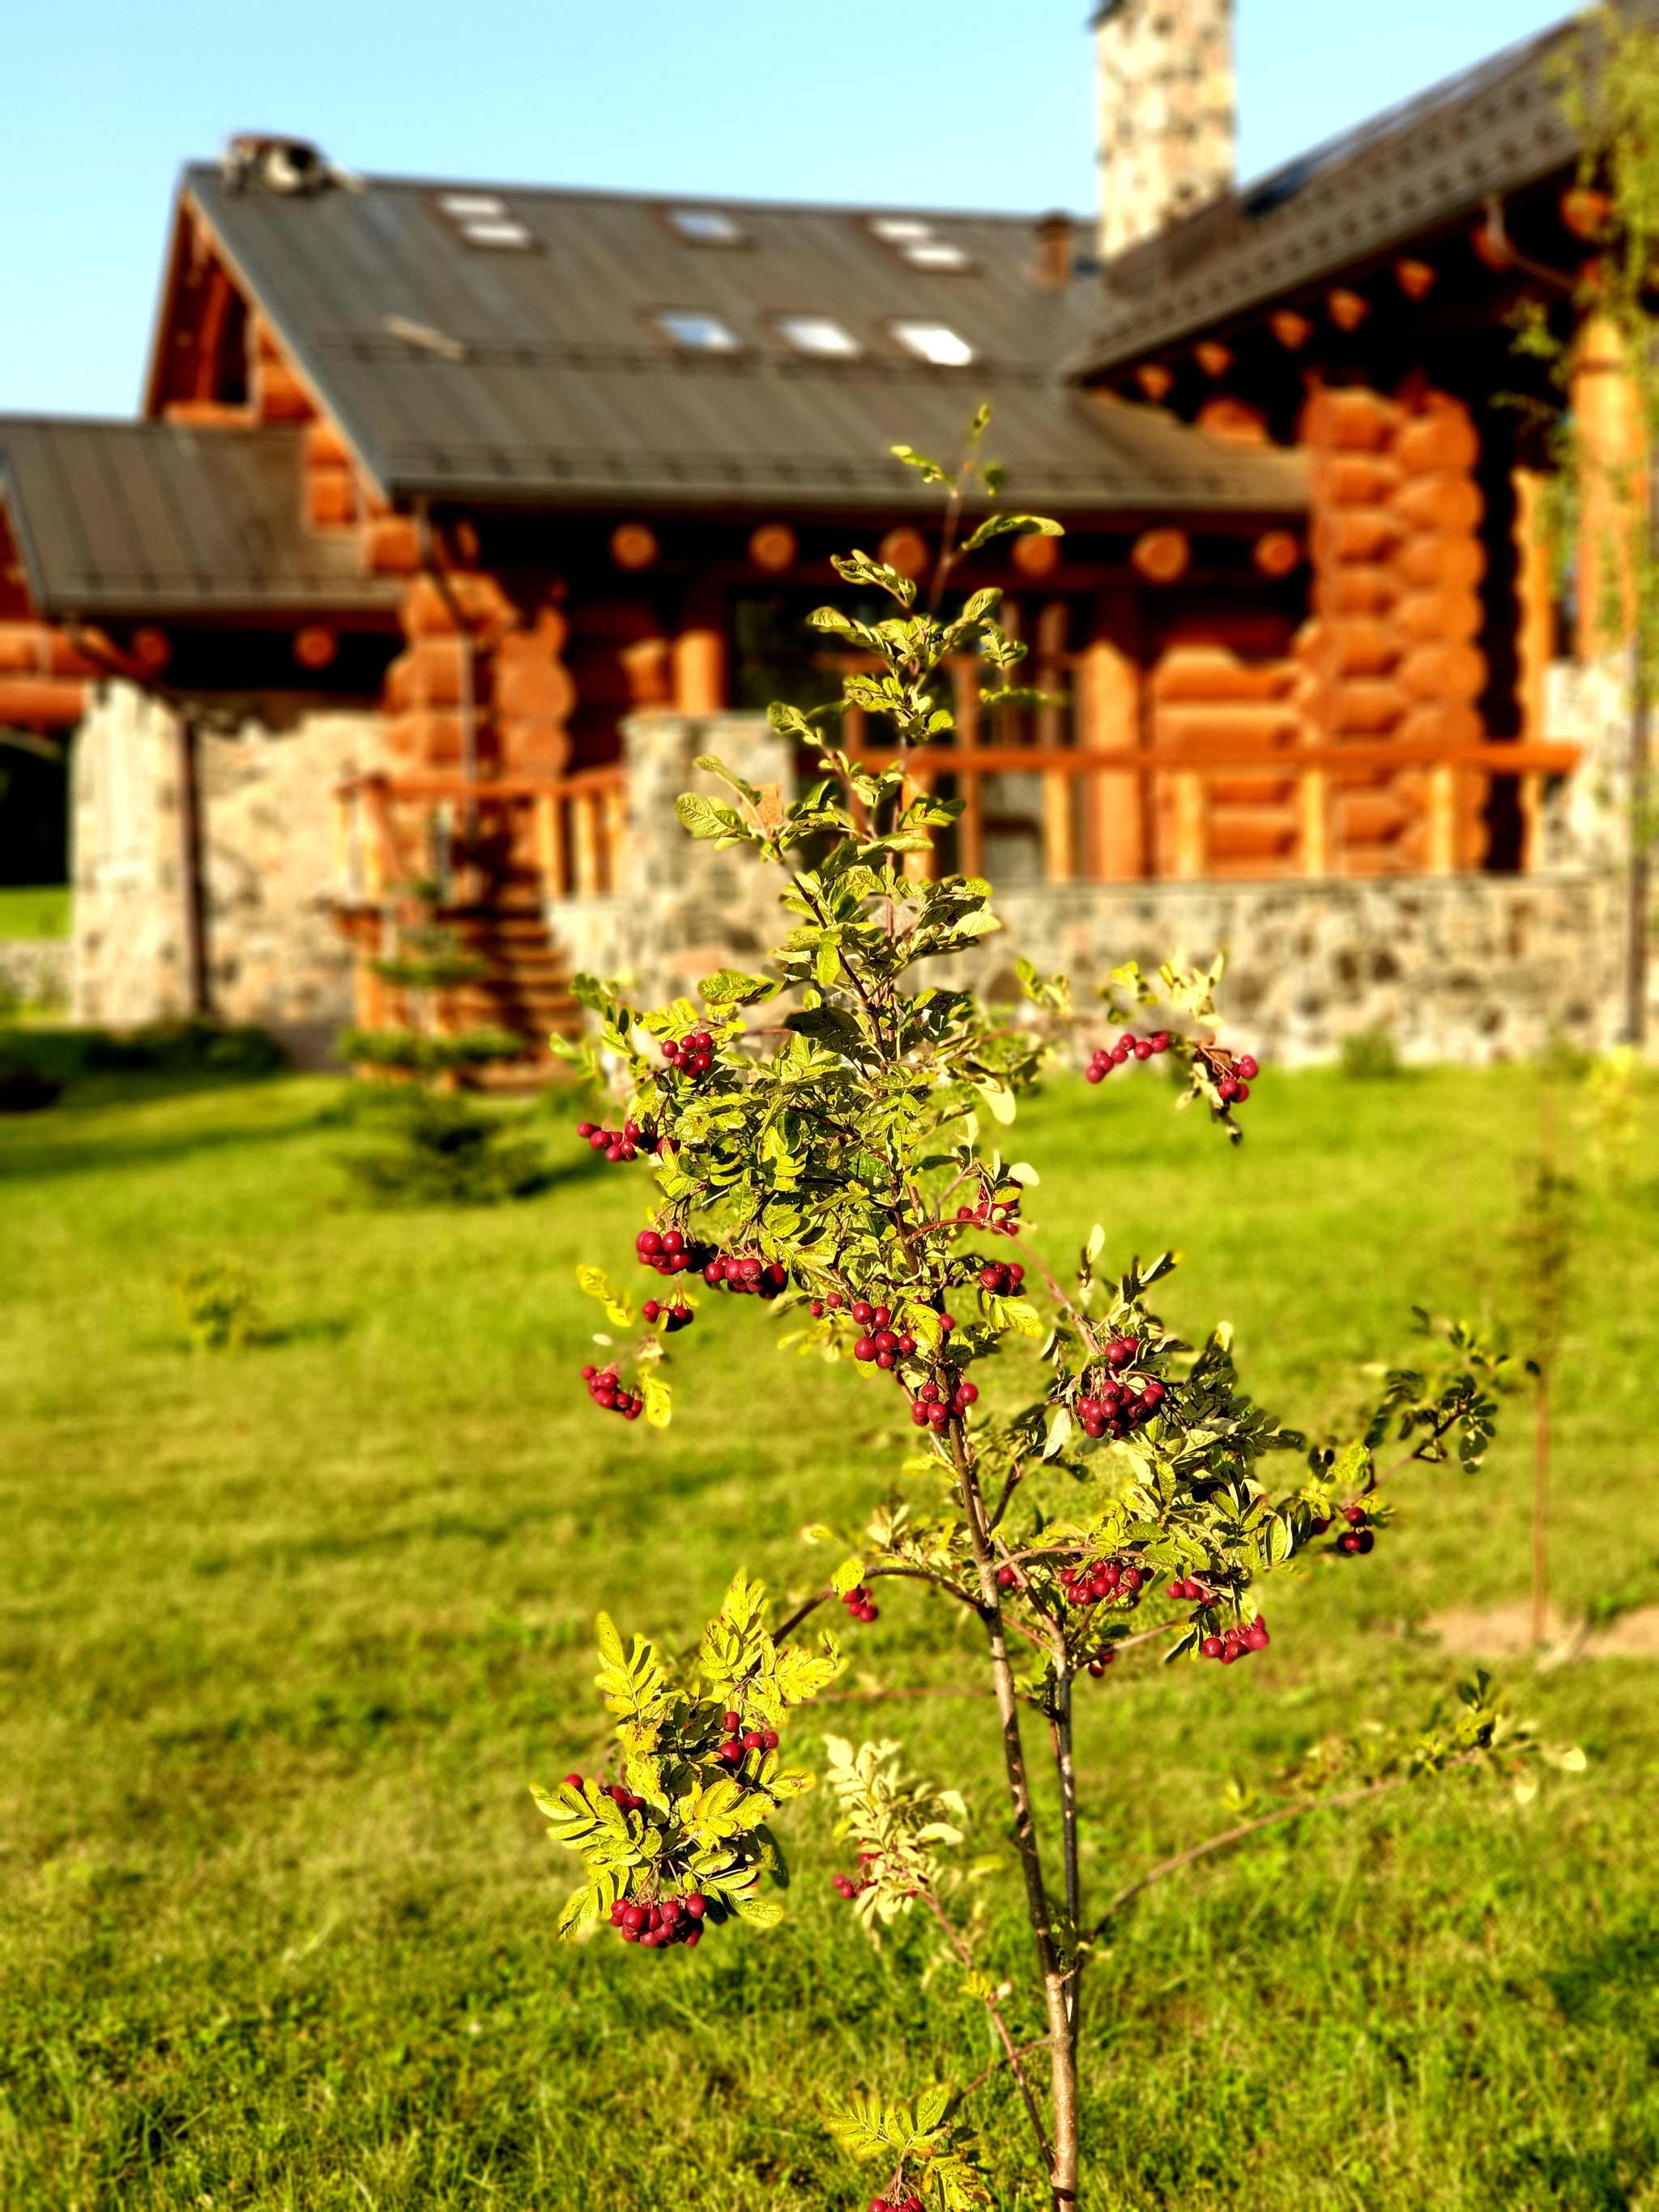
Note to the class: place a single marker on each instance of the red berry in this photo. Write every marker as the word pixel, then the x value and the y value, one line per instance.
pixel 1143 1048
pixel 1354 1516
pixel 865 1349
pixel 730 1752
pixel 769 1740
pixel 968 1393
pixel 734 1722
pixel 863 1314
pixel 754 1740
pixel 1094 1073
pixel 906 1344
pixel 1212 1647
pixel 694 1937
pixel 1256 1637
pixel 696 1904
pixel 573 1781
pixel 817 1309
pixel 1249 1067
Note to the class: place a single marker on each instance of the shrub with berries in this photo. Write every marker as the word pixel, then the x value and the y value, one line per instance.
pixel 1090 1487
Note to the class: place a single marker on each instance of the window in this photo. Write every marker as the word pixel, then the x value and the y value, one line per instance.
pixel 936 342
pixel 821 336
pixel 919 243
pixel 707 227
pixel 485 219
pixel 697 330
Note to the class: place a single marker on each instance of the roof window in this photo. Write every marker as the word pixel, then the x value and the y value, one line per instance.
pixel 707 227
pixel 696 331
pixel 934 343
pixel 919 243
pixel 485 219
pixel 821 336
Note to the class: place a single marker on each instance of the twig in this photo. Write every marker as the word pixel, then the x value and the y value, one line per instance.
pixel 1040 2043
pixel 1010 2051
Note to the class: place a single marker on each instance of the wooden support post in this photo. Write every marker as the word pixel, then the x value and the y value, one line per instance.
pixel 1443 820
pixel 614 801
pixel 1314 809
pixel 1192 856
pixel 1059 856
pixel 550 846
pixel 699 671
pixel 1612 488
pixel 1535 594
pixel 586 810
pixel 1108 706
pixel 1531 789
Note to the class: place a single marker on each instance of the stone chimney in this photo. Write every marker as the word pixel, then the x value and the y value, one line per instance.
pixel 1166 113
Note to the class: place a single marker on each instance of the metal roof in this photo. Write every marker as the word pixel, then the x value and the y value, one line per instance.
pixel 1415 169
pixel 140 518
pixel 538 374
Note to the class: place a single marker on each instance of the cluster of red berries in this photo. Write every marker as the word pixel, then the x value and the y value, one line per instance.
pixel 738 1742
pixel 1104 1583
pixel 880 1341
pixel 621 1144
pixel 605 1389
pixel 746 1275
pixel 1234 1083
pixel 669 1253
pixel 1000 1215
pixel 1237 1642
pixel 862 1606
pixel 846 1887
pixel 1192 1591
pixel 1098 1665
pixel 1116 1409
pixel 1002 1278
pixel 617 1792
pixel 930 1408
pixel 1127 1049
pixel 655 1927
pixel 911 2203
pixel 1359 1536
pixel 673 1318
pixel 692 1055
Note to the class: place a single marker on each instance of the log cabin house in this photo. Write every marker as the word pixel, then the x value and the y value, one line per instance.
pixel 461 517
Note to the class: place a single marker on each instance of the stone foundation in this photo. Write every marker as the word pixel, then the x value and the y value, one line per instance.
pixel 1472 969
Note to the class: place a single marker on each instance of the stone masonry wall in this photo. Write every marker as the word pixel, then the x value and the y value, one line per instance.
pixel 129 958
pixel 34 971
pixel 265 793
pixel 1472 969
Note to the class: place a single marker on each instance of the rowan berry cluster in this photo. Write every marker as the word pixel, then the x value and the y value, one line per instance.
pixel 621 1144
pixel 669 1253
pixel 656 1927
pixel 862 1606
pixel 999 1215
pixel 739 1741
pixel 912 2203
pixel 1125 1050
pixel 1233 1077
pixel 617 1792
pixel 1002 1278
pixel 1112 1408
pixel 691 1056
pixel 746 1274
pixel 880 1343
pixel 933 1406
pixel 1108 1582
pixel 1359 1536
pixel 673 1318
pixel 846 1886
pixel 1237 1642
pixel 1192 1591
pixel 605 1389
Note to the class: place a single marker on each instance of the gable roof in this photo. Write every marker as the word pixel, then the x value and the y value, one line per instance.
pixel 129 519
pixel 1427 166
pixel 539 375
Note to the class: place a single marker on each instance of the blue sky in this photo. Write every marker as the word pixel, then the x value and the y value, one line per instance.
pixel 944 102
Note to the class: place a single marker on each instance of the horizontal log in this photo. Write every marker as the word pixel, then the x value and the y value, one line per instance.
pixel 1258 722
pixel 1359 645
pixel 41 703
pixel 1498 757
pixel 414 786
pixel 1440 722
pixel 392 546
pixel 483 605
pixel 1210 672
pixel 325 446
pixel 37 649
pixel 1371 818
pixel 1355 420
pixel 1358 534
pixel 427 674
pixel 1439 502
pixel 1445 671
pixel 1254 791
pixel 1355 589
pixel 1262 836
pixel 1431 444
pixel 1436 560
pixel 1367 705
pixel 1353 480
pixel 330 498
pixel 1437 616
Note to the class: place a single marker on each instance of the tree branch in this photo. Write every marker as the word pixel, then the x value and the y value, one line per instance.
pixel 1009 2052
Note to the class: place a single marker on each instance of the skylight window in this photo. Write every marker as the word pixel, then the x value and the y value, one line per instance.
pixel 919 243
pixel 821 336
pixel 707 227
pixel 696 331
pixel 934 343
pixel 485 219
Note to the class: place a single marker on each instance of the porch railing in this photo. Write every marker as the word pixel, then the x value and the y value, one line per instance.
pixel 393 830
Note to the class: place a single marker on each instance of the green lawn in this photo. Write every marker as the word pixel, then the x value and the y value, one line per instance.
pixel 284 1634
pixel 34 909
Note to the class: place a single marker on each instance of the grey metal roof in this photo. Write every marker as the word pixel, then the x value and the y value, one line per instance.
pixel 543 377
pixel 1420 167
pixel 140 518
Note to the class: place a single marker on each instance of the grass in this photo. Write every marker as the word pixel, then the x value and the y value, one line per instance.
pixel 34 909
pixel 283 1632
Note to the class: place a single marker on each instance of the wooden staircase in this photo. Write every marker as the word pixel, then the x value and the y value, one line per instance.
pixel 525 985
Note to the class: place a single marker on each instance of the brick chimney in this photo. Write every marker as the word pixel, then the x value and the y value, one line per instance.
pixel 1166 113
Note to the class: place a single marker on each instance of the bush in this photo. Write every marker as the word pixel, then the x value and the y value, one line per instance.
pixel 193 1044
pixel 24 1090
pixel 1371 1056
pixel 441 1151
pixel 219 1302
pixel 409 1052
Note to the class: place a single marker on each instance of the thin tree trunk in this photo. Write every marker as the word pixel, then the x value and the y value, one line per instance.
pixel 1541 1510
pixel 1063 2173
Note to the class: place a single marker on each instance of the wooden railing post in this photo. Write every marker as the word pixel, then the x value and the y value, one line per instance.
pixel 1191 854
pixel 1313 794
pixel 1108 680
pixel 1443 819
pixel 1532 822
pixel 586 810
pixel 550 846
pixel 614 801
pixel 1059 859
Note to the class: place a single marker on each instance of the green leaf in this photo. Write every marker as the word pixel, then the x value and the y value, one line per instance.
pixel 709 818
pixel 1018 525
pixel 999 1099
pixel 658 1399
pixel 758 1912
pixel 847 1576
pixel 597 1284
pixel 730 987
